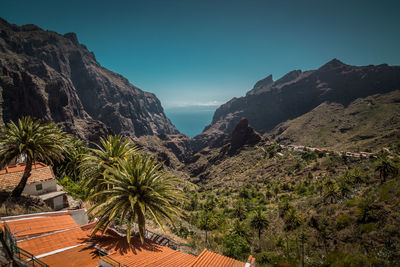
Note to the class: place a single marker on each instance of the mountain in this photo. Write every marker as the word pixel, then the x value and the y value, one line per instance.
pixel 53 77
pixel 372 122
pixel 270 102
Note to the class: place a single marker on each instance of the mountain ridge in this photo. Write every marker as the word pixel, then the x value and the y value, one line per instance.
pixel 55 78
pixel 270 103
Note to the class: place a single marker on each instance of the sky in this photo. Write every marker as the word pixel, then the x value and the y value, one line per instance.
pixel 206 52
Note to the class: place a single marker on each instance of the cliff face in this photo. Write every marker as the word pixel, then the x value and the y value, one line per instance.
pixel 270 103
pixel 55 78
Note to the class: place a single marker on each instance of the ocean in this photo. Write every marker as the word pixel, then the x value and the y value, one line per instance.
pixel 191 120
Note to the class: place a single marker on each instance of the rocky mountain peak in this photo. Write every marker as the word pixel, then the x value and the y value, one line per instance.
pixel 263 85
pixel 242 135
pixel 333 64
pixel 294 74
pixel 72 37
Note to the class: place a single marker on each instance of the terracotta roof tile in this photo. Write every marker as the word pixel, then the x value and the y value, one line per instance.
pixel 138 254
pixel 85 255
pixel 73 247
pixel 10 177
pixel 53 241
pixel 34 226
pixel 208 258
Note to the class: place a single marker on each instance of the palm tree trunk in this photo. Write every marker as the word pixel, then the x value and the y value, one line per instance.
pixel 27 173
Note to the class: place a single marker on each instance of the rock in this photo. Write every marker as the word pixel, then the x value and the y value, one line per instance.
pixel 72 37
pixel 52 77
pixel 270 103
pixel 264 84
pixel 242 135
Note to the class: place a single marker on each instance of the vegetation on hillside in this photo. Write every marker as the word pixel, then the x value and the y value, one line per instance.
pixel 282 206
pixel 366 123
pixel 296 207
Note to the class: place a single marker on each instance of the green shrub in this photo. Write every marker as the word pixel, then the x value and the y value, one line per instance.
pixel 236 246
pixel 269 258
pixel 339 258
pixel 343 221
pixel 74 189
pixel 368 227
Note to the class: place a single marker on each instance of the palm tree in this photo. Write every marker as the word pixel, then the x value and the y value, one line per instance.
pixel 207 222
pixel 241 229
pixel 386 168
pixel 75 151
pixel 331 194
pixel 344 189
pixel 136 188
pixel 240 210
pixel 259 222
pixel 113 148
pixel 34 140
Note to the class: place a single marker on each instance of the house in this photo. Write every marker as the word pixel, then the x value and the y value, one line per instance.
pixel 64 239
pixel 41 183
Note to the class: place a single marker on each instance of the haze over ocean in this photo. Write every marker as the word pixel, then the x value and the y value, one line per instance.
pixel 190 120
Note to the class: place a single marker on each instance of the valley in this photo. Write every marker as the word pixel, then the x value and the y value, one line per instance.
pixel 301 171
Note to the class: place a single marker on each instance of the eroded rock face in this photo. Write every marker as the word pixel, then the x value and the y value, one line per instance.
pixel 270 103
pixel 53 77
pixel 242 135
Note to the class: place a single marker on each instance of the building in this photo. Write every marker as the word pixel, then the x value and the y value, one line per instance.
pixel 41 183
pixel 64 239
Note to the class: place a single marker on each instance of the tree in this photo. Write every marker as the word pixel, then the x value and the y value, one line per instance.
pixel 207 222
pixel 236 246
pixel 241 229
pixel 240 210
pixel 292 219
pixel 259 222
pixel 386 168
pixel 113 149
pixel 136 189
pixel 34 140
pixel 270 150
pixel 344 189
pixel 73 155
pixel 331 194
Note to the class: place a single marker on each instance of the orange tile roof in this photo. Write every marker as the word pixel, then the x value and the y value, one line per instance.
pixel 208 258
pixel 34 226
pixel 138 254
pixel 21 167
pixel 54 241
pixel 251 260
pixel 85 255
pixel 10 177
pixel 74 247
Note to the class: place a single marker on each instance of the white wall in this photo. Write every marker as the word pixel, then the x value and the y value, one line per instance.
pixel 58 202
pixel 47 186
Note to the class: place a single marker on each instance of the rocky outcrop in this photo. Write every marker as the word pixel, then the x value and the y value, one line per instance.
pixel 270 103
pixel 53 77
pixel 242 135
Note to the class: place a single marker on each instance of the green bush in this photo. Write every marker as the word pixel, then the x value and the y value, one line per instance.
pixel 73 188
pixel 339 258
pixel 343 221
pixel 236 246
pixel 368 227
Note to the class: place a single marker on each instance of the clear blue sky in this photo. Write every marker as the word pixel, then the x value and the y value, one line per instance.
pixel 199 52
